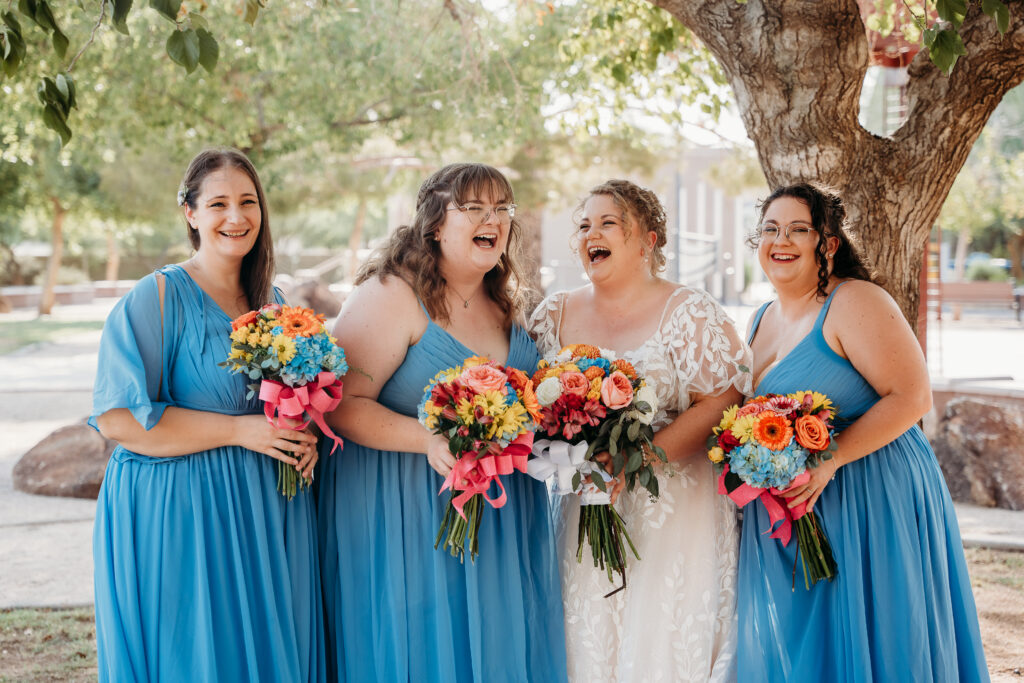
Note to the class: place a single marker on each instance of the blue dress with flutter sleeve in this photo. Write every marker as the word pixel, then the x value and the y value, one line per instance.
pixel 901 608
pixel 398 610
pixel 203 571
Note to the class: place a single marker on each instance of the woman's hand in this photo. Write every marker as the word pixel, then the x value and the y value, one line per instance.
pixel 291 446
pixel 811 491
pixel 617 483
pixel 438 455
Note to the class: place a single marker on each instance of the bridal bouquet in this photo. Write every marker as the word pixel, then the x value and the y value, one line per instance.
pixel 592 403
pixel 487 413
pixel 295 367
pixel 766 448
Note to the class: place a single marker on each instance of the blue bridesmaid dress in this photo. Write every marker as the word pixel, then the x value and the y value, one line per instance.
pixel 901 608
pixel 397 609
pixel 203 571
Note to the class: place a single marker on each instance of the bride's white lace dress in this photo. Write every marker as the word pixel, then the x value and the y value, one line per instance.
pixel 676 619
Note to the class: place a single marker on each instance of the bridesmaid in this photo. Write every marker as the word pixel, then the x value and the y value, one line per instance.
pixel 203 571
pixel 441 290
pixel 901 608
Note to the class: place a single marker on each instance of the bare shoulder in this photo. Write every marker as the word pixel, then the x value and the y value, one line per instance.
pixel 863 308
pixel 388 303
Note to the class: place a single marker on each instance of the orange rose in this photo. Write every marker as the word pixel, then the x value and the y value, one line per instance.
pixel 574 383
pixel 483 378
pixel 243 320
pixel 811 433
pixel 616 391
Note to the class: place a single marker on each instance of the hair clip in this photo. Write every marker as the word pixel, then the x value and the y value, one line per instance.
pixel 182 196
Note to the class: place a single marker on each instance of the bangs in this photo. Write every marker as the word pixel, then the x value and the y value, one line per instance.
pixel 479 182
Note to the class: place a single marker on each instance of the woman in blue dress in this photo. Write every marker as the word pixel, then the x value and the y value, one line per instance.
pixel 901 607
pixel 203 571
pixel 441 290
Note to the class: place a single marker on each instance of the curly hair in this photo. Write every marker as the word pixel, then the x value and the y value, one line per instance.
pixel 643 206
pixel 258 265
pixel 828 216
pixel 413 254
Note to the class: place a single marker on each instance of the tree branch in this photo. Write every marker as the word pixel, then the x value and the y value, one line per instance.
pixel 92 36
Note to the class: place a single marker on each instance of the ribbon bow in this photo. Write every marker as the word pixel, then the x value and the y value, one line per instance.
pixel 479 472
pixel 315 398
pixel 772 501
pixel 562 460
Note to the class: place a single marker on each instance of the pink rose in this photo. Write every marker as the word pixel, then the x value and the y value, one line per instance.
pixel 616 391
pixel 483 378
pixel 575 383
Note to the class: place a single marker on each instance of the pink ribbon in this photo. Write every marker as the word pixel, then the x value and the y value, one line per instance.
pixel 315 398
pixel 773 502
pixel 478 473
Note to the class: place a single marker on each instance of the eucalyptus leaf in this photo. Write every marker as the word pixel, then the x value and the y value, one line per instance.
pixel 645 477
pixel 633 433
pixel 577 479
pixel 636 460
pixel 599 482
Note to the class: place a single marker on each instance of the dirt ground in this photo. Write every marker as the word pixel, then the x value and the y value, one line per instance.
pixel 60 645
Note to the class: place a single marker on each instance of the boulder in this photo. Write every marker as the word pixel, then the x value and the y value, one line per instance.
pixel 69 462
pixel 980 447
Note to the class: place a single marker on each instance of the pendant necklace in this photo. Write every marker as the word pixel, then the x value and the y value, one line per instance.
pixel 465 301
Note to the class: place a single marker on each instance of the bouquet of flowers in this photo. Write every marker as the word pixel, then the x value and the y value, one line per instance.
pixel 295 367
pixel 590 403
pixel 487 412
pixel 766 448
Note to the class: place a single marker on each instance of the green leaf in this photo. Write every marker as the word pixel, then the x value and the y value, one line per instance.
pixel 183 49
pixel 209 51
pixel 952 11
pixel 577 479
pixel 120 16
pixel 60 43
pixel 946 49
pixel 645 476
pixel 929 36
pixel 55 121
pixel 198 21
pixel 636 459
pixel 634 431
pixel 998 11
pixel 619 73
pixel 615 435
pixel 168 8
pixel 599 481
pixel 62 86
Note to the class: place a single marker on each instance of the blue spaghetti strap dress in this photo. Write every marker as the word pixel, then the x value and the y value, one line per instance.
pixel 203 571
pixel 901 608
pixel 398 610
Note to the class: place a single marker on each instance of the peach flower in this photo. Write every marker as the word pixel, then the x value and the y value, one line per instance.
pixel 811 433
pixel 616 391
pixel 483 378
pixel 574 383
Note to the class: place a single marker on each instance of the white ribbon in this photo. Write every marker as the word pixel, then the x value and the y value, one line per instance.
pixel 561 461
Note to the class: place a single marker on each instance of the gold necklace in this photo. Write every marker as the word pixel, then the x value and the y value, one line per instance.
pixel 465 301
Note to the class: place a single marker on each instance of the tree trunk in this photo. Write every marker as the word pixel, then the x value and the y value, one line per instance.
pixel 49 297
pixel 797 68
pixel 1015 247
pixel 963 239
pixel 113 257
pixel 355 240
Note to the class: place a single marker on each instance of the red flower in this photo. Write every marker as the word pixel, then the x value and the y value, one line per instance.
pixel 727 440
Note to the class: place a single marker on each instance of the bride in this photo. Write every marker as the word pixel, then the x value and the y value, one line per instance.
pixel 676 618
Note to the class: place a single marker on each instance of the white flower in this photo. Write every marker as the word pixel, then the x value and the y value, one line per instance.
pixel 548 391
pixel 646 394
pixel 607 354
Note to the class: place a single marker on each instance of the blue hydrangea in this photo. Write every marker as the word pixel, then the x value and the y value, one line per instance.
pixel 584 363
pixel 762 467
pixel 510 395
pixel 313 355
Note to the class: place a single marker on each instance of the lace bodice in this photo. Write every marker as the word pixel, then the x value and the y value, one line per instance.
pixel 675 621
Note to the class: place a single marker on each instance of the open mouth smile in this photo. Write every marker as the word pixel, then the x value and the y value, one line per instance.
pixel 596 253
pixel 486 240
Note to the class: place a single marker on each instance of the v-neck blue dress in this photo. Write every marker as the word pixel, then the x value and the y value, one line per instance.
pixel 397 609
pixel 203 571
pixel 901 608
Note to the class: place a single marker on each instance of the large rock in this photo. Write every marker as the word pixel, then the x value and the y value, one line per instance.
pixel 69 462
pixel 980 447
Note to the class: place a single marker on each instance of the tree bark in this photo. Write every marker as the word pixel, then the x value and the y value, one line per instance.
pixel 49 297
pixel 113 258
pixel 797 68
pixel 1015 249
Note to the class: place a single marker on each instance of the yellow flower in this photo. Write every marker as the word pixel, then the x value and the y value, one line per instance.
pixel 541 364
pixel 266 338
pixel 716 454
pixel 743 428
pixel 464 410
pixel 239 336
pixel 728 417
pixel 473 361
pixel 595 389
pixel 253 339
pixel 284 348
pixel 818 400
pixel 432 408
pixel 430 422
pixel 236 353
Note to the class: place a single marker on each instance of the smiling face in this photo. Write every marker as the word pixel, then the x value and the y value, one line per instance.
pixel 789 256
pixel 609 240
pixel 470 246
pixel 227 213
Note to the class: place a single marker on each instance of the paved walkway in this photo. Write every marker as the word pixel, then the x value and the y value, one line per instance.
pixel 46 542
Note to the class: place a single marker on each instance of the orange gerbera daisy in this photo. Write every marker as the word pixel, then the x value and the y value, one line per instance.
pixel 299 322
pixel 772 431
pixel 593 372
pixel 582 351
pixel 243 320
pixel 531 403
pixel 517 378
pixel 625 367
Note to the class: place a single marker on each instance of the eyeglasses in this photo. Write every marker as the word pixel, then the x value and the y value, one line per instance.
pixel 479 214
pixel 797 231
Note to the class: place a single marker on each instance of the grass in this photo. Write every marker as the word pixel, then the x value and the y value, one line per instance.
pixel 47 645
pixel 19 333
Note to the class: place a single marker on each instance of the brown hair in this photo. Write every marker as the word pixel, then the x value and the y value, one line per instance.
pixel 645 208
pixel 828 216
pixel 258 265
pixel 413 254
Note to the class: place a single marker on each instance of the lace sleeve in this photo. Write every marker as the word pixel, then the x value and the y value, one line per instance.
pixel 710 355
pixel 543 324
